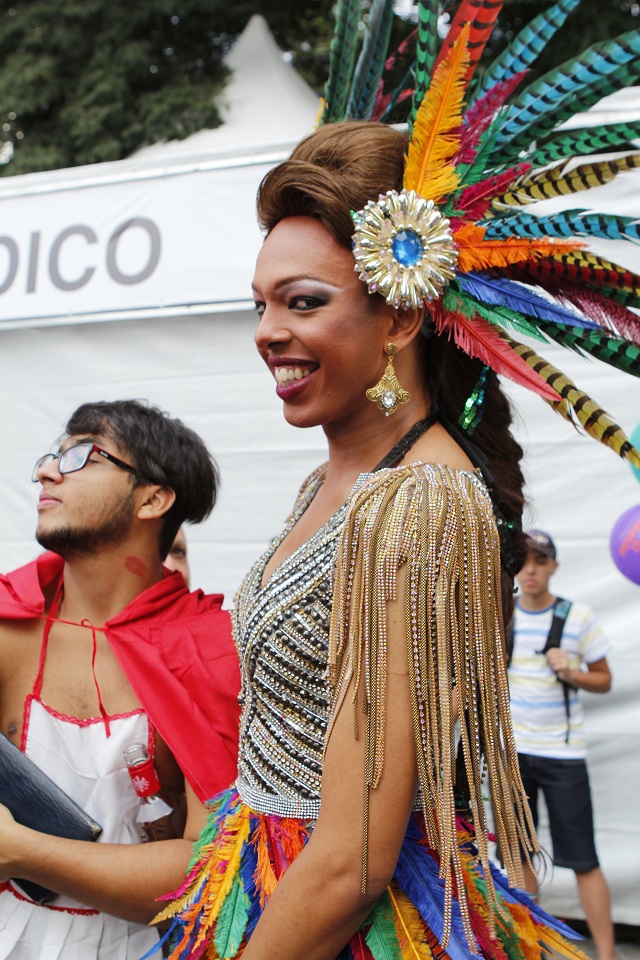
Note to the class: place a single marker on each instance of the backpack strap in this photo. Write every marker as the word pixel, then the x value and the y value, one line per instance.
pixel 561 610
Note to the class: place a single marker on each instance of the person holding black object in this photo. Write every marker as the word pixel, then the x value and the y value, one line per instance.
pixel 112 678
pixel 558 649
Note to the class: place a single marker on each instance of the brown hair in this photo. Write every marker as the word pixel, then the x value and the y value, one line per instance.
pixel 337 169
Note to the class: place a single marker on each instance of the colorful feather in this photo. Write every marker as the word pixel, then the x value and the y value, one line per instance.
pixel 479 117
pixel 435 140
pixel 232 921
pixel 426 50
pixel 605 311
pixel 571 88
pixel 478 252
pixel 381 936
pixel 500 292
pixel 385 99
pixel 342 54
pixel 569 223
pixel 418 877
pixel 545 184
pixel 583 266
pixel 474 201
pixel 601 139
pixel 412 936
pixel 596 343
pixel 476 18
pixel 595 421
pixel 371 61
pixel 526 46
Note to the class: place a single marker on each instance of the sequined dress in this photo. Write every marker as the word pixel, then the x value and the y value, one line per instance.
pixel 298 653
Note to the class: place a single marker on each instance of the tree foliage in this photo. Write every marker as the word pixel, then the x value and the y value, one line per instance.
pixel 83 81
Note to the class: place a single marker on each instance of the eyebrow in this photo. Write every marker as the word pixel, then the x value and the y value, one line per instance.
pixel 287 281
pixel 78 441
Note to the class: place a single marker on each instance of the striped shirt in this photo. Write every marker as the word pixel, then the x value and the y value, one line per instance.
pixel 537 696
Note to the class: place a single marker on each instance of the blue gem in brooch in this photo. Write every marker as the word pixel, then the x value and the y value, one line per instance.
pixel 404 248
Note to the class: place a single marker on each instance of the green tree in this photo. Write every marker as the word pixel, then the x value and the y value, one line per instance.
pixel 83 81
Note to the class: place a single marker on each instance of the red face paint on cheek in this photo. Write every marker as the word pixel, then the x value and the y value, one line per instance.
pixel 135 565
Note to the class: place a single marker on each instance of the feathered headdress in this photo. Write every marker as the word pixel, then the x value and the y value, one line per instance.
pixel 458 237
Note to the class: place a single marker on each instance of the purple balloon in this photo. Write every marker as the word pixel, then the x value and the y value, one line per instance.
pixel 624 544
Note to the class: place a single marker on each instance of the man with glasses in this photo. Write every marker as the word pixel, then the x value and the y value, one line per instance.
pixel 102 652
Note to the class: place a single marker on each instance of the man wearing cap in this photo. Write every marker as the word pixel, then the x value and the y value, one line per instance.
pixel 559 649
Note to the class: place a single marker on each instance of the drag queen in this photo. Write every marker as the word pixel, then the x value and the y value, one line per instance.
pixel 356 827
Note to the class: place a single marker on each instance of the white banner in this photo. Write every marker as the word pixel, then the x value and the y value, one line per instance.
pixel 170 239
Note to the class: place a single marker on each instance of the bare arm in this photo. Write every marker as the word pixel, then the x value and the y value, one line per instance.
pixel 318 905
pixel 596 680
pixel 121 879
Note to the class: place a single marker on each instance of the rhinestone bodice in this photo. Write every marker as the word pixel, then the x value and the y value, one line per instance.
pixel 282 632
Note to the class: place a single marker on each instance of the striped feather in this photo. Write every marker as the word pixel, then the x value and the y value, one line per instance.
pixel 616 351
pixel 601 139
pixel 384 97
pixel 479 17
pixel 545 184
pixel 381 937
pixel 371 61
pixel 569 223
pixel 425 53
pixel 342 54
pixel 526 46
pixel 583 266
pixel 232 921
pixel 497 291
pixel 571 88
pixel 428 167
pixel 605 311
pixel 595 421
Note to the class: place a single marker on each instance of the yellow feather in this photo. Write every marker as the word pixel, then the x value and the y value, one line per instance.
pixel 434 142
pixel 409 926
pixel 595 421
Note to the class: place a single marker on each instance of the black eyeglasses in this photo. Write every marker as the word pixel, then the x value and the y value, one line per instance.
pixel 75 458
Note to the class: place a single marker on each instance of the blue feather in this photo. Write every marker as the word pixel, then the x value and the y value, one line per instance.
pixel 569 89
pixel 570 223
pixel 248 868
pixel 506 293
pixel 417 874
pixel 526 47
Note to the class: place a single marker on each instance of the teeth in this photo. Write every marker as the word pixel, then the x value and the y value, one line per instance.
pixel 286 374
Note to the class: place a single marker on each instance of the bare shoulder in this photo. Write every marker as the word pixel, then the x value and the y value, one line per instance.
pixel 437 446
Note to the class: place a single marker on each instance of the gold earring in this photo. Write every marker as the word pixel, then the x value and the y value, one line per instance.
pixel 387 392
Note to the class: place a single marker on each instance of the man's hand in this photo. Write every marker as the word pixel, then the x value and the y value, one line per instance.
pixel 559 662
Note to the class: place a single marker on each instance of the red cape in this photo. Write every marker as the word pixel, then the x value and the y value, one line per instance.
pixel 177 651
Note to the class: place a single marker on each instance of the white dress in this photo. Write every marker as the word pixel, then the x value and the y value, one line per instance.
pixel 88 764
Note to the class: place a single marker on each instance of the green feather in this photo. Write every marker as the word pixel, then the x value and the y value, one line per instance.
pixel 597 343
pixel 607 137
pixel 381 937
pixel 232 921
pixel 342 54
pixel 371 61
pixel 425 53
pixel 459 301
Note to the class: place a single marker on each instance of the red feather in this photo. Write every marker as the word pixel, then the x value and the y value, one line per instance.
pixel 481 15
pixel 480 114
pixel 359 948
pixel 476 199
pixel 608 313
pixel 382 98
pixel 595 271
pixel 478 338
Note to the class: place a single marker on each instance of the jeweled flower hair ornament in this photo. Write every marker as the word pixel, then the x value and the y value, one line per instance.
pixel 462 237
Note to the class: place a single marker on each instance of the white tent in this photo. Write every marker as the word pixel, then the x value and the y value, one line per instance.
pixel 163 244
